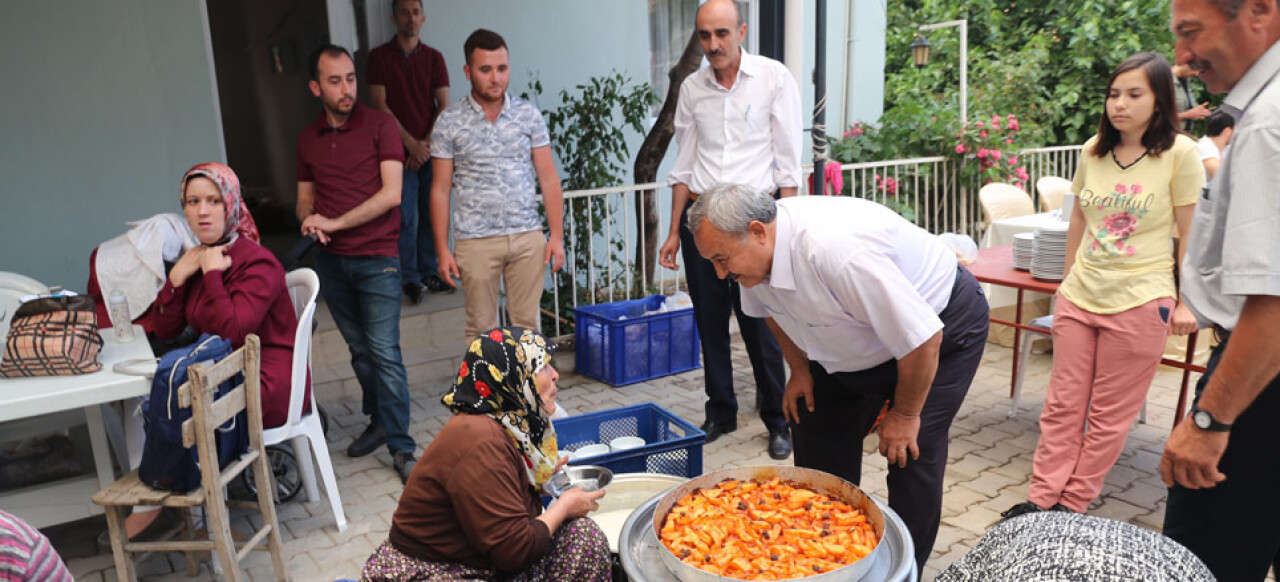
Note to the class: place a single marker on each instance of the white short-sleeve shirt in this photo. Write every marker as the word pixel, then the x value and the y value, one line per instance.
pixel 1207 149
pixel 853 284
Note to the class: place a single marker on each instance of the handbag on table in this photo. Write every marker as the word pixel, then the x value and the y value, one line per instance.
pixel 52 336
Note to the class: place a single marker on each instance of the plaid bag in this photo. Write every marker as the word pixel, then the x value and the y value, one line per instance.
pixel 52 336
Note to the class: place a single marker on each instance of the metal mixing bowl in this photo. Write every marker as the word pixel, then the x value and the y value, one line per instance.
pixel 586 477
pixel 812 479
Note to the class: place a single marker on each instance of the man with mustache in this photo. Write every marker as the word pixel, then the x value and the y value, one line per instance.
pixel 488 147
pixel 873 313
pixel 350 162
pixel 1220 463
pixel 737 121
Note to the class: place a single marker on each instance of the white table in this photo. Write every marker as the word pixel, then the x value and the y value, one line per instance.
pixel 1002 299
pixel 34 405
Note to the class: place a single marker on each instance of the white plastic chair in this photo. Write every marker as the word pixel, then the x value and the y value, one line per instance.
pixel 1043 329
pixel 1052 189
pixel 304 431
pixel 1000 201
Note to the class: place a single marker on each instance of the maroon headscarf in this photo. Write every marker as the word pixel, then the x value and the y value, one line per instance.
pixel 239 221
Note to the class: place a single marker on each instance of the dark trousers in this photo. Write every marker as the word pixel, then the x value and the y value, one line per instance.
pixel 417 241
pixel 1234 527
pixel 363 295
pixel 846 405
pixel 714 299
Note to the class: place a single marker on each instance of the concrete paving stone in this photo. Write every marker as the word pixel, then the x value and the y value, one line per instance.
pixel 945 560
pixel 1008 497
pixel 1118 510
pixel 1144 461
pixel 947 537
pixel 1121 477
pixel 1001 452
pixel 970 467
pixel 985 438
pixel 959 499
pixel 1018 468
pixel 1153 520
pixel 976 520
pixel 988 483
pixel 155 564
pixel 958 447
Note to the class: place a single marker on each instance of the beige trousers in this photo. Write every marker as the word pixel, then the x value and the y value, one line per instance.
pixel 484 263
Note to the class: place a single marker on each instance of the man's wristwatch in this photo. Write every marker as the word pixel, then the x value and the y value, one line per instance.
pixel 1205 421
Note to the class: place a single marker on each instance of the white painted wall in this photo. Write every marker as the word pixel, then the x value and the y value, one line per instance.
pixel 108 103
pixel 563 42
pixel 855 83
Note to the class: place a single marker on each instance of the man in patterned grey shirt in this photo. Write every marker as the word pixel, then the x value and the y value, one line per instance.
pixel 488 146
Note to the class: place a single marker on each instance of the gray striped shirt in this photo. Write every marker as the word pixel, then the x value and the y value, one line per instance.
pixel 1234 251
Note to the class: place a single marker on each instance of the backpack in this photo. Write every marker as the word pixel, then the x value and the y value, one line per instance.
pixel 166 464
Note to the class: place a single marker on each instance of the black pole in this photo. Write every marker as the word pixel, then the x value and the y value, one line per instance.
pixel 819 97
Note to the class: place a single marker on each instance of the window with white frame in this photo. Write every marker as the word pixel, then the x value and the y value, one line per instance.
pixel 671 23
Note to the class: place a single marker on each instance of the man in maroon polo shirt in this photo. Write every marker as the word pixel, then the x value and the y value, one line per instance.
pixel 350 162
pixel 408 79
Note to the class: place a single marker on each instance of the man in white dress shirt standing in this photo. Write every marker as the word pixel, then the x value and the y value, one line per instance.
pixel 870 310
pixel 738 121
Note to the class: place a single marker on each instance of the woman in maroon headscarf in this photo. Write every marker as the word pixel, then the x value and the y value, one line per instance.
pixel 229 285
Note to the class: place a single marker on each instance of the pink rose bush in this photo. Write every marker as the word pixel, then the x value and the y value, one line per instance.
pixel 987 150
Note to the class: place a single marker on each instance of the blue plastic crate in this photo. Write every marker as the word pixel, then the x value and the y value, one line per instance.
pixel 674 444
pixel 619 344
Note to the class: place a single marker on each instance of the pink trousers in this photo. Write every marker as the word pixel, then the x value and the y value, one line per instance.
pixel 1102 368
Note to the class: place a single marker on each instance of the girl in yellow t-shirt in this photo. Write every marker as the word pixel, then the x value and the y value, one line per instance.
pixel 1137 179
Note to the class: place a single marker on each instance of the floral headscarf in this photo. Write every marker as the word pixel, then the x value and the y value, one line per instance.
pixel 239 221
pixel 496 379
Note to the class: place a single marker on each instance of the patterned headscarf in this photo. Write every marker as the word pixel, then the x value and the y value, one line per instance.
pixel 239 221
pixel 496 379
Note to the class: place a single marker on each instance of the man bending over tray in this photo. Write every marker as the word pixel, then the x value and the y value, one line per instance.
pixel 870 310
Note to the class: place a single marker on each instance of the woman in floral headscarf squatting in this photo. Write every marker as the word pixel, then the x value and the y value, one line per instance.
pixel 472 507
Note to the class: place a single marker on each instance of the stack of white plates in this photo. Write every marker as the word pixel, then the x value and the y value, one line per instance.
pixel 1049 253
pixel 1023 250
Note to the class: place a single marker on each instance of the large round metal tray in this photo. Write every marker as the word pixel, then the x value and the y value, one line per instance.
pixel 643 556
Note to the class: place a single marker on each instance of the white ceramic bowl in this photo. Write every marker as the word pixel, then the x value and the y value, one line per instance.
pixel 626 442
pixel 589 451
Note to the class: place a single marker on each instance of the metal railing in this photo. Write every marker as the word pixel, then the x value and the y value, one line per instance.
pixel 1056 161
pixel 603 234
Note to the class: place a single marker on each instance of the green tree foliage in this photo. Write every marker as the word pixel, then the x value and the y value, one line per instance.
pixel 1045 62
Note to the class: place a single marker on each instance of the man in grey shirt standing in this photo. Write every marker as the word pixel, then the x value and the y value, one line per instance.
pixel 488 147
pixel 1221 466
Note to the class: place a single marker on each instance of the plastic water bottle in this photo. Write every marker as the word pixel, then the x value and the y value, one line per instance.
pixel 118 308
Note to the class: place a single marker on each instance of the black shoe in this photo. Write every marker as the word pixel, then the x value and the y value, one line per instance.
pixel 403 462
pixel 414 292
pixel 779 446
pixel 368 441
pixel 436 285
pixel 715 429
pixel 1020 509
pixel 1061 507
